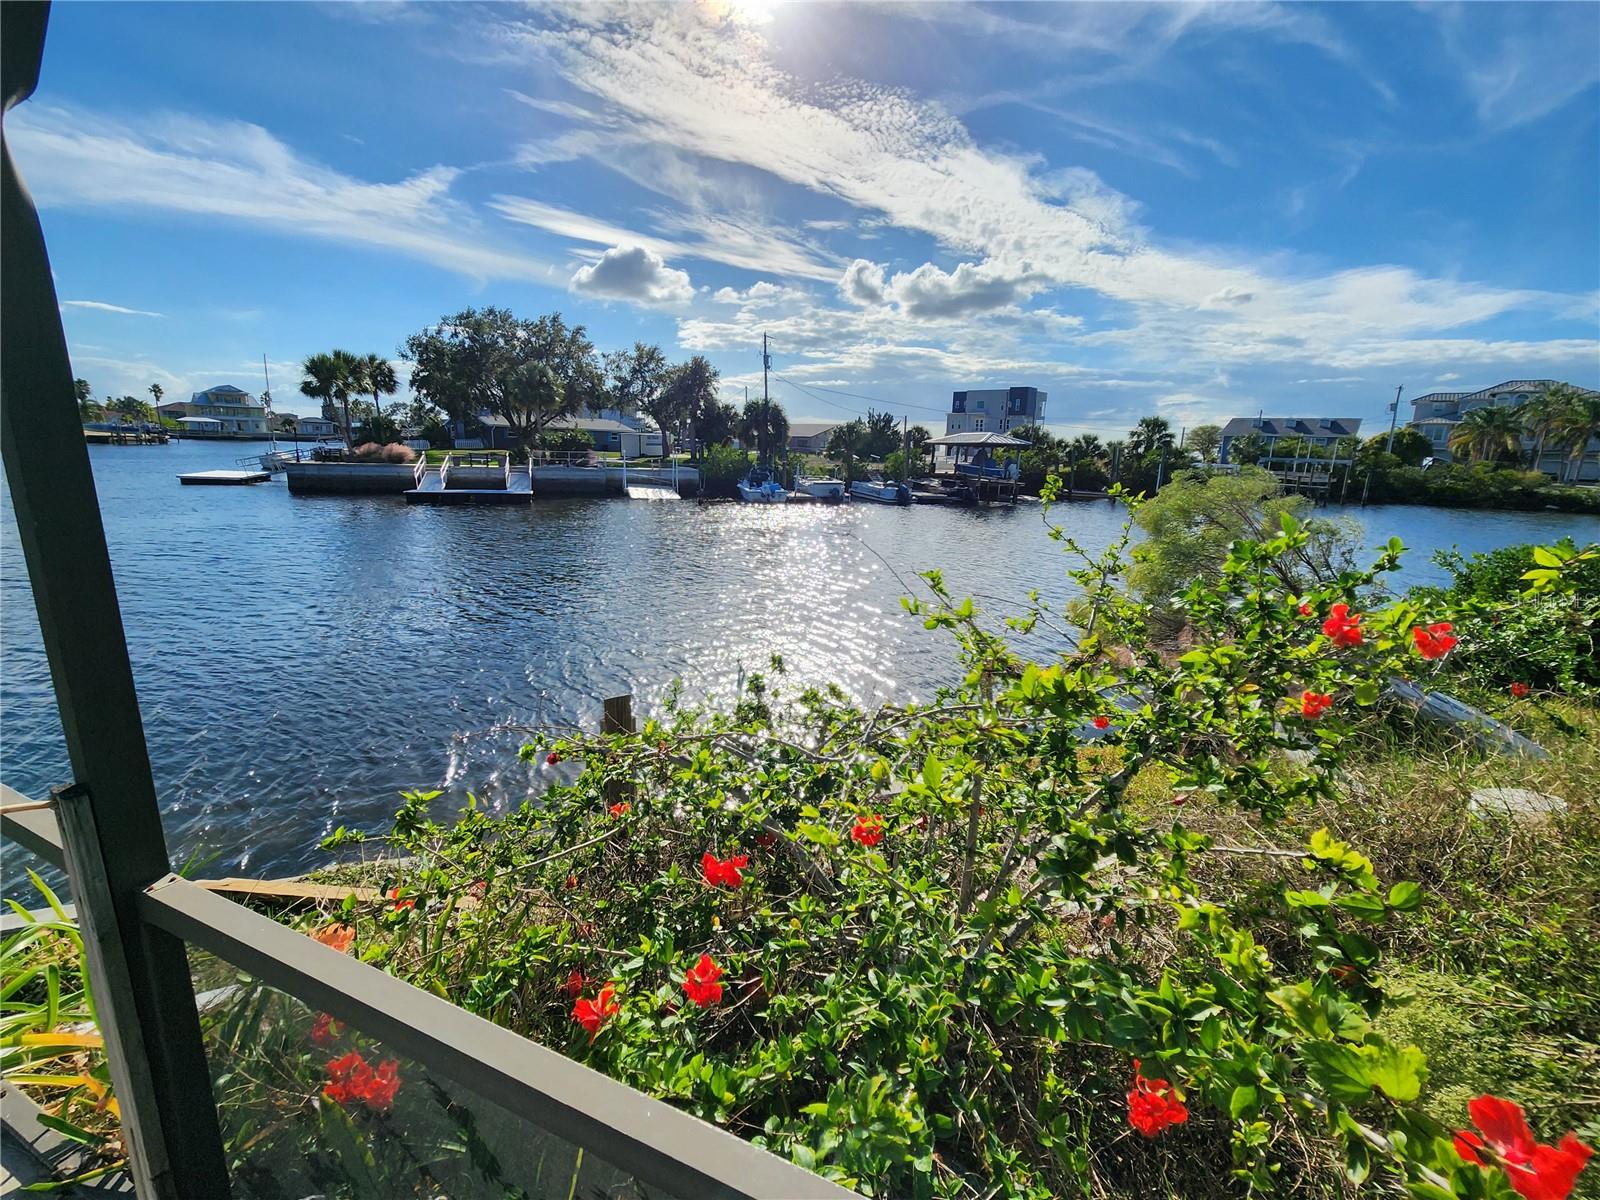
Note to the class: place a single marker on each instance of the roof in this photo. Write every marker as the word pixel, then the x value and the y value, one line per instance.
pixel 811 429
pixel 1511 385
pixel 1439 397
pixel 976 439
pixel 222 389
pixel 597 425
pixel 1292 427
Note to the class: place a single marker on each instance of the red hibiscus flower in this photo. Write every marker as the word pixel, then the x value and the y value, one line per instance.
pixel 1101 722
pixel 1341 627
pixel 724 871
pixel 1306 610
pixel 868 829
pixel 325 1030
pixel 551 759
pixel 1152 1105
pixel 1520 690
pixel 1434 641
pixel 1536 1172
pixel 766 840
pixel 617 810
pixel 351 1078
pixel 1314 704
pixel 394 894
pixel 336 937
pixel 591 1014
pixel 381 1086
pixel 701 985
pixel 575 984
pixel 572 882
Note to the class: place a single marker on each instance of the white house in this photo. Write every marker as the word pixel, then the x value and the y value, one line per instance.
pixel 1325 433
pixel 236 412
pixel 995 410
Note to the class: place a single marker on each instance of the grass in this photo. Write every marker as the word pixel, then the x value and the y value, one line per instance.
pixel 1498 977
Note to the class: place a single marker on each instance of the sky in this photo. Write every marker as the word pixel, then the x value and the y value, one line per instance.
pixel 1197 211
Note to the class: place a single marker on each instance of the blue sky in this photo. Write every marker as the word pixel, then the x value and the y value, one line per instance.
pixel 1194 210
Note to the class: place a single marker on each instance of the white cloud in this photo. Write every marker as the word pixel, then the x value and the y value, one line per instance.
pixel 235 171
pixel 761 294
pixel 863 283
pixel 935 294
pixel 741 242
pixel 102 306
pixel 633 273
pixel 713 95
pixel 1539 57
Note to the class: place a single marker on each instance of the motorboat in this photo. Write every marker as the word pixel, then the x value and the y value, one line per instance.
pixel 880 491
pixel 760 486
pixel 821 489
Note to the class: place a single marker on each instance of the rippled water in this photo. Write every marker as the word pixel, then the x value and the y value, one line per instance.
pixel 302 659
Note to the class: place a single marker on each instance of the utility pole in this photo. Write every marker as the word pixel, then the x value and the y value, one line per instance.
pixel 1394 415
pixel 766 411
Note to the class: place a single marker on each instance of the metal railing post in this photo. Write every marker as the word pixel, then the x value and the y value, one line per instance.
pixel 63 543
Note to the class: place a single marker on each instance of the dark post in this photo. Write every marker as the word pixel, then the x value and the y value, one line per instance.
pixel 618 718
pixel 64 546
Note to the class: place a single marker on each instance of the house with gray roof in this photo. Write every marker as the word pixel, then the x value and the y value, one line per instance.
pixel 1336 436
pixel 1436 415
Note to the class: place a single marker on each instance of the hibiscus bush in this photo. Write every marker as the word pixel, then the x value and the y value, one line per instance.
pixel 948 950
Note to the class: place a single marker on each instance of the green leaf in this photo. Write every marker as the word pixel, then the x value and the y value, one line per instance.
pixel 820 834
pixel 1361 904
pixel 1242 1101
pixel 1546 557
pixel 1405 896
pixel 1398 1070
pixel 1341 1070
pixel 1367 692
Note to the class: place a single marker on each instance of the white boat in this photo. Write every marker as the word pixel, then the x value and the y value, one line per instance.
pixel 881 491
pixel 822 489
pixel 759 487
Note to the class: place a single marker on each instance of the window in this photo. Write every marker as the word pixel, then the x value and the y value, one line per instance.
pixel 982 403
pixel 977 423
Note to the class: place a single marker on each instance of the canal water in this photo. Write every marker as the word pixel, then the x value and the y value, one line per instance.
pixel 300 660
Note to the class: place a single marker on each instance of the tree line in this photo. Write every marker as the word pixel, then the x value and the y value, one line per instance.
pixel 130 409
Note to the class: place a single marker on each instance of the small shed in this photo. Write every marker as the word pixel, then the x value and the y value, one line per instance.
pixel 200 424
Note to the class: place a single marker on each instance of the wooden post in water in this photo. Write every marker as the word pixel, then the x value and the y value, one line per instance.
pixel 618 718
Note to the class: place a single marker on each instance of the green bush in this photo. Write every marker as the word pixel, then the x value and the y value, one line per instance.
pixel 721 468
pixel 940 951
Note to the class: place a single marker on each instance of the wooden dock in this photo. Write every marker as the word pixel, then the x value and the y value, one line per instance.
pixel 225 477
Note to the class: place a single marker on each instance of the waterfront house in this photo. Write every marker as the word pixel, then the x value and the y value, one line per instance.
pixel 1436 414
pixel 995 410
pixel 311 428
pixel 237 412
pixel 811 437
pixel 1334 437
pixel 490 431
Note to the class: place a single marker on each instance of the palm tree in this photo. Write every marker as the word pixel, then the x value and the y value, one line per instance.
pixel 1151 433
pixel 328 377
pixel 765 424
pixel 1490 432
pixel 694 389
pixel 1540 416
pixel 1086 447
pixel 375 374
pixel 845 443
pixel 1576 425
pixel 156 392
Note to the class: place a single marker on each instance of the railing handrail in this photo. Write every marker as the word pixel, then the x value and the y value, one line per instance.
pixel 660 1145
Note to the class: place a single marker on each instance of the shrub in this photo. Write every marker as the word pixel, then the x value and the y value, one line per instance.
pixel 394 452
pixel 926 950
pixel 721 468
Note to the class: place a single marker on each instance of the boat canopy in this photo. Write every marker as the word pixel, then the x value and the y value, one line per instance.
pixel 973 438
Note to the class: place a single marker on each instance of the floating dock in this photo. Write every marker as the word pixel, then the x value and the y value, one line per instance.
pixel 225 477
pixel 652 491
pixel 435 487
